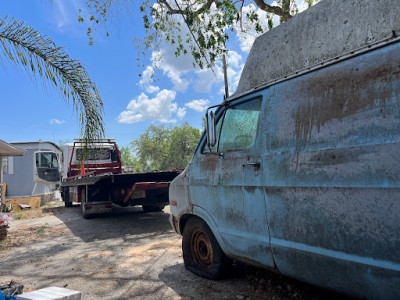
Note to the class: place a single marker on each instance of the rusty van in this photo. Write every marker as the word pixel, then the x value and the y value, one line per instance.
pixel 299 170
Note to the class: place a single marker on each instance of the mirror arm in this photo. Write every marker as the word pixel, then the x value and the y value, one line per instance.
pixel 219 133
pixel 226 105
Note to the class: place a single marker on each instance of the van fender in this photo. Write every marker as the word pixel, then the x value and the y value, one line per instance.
pixel 208 219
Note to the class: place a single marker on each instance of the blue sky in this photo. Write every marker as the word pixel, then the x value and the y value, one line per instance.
pixel 30 112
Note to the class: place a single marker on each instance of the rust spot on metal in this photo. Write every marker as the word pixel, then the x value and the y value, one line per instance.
pixel 335 94
pixel 234 216
pixel 209 164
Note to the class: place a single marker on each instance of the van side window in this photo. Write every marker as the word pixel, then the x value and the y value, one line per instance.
pixel 239 127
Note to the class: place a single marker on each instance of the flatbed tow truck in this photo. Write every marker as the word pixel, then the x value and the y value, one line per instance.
pixel 95 179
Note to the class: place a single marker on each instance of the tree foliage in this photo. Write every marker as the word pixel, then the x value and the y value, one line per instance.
pixel 162 148
pixel 40 57
pixel 127 159
pixel 208 22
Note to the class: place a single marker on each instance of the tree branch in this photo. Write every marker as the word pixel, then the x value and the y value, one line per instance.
pixel 282 12
pixel 199 11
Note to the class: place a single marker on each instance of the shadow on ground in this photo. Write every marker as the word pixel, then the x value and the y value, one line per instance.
pixel 125 223
pixel 244 282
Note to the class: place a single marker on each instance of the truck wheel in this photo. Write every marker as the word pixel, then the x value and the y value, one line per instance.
pixel 151 208
pixel 65 197
pixel 202 254
pixel 83 203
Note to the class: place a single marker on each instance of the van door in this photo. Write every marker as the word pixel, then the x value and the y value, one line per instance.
pixel 234 184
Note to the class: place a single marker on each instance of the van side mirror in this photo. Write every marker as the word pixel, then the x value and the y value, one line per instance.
pixel 211 134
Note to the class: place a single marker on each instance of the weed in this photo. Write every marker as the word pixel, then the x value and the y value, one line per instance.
pixel 17 216
pixel 43 228
pixel 5 241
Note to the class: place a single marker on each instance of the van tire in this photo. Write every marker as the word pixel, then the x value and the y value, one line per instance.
pixel 202 254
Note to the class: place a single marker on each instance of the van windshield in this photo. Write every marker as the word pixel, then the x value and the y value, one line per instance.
pixel 239 126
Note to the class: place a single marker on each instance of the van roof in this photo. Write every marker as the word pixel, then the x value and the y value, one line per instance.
pixel 326 30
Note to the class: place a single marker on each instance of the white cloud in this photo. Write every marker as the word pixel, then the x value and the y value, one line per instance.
pixel 160 108
pixel 198 105
pixel 206 78
pixel 171 66
pixel 181 113
pixel 65 13
pixel 234 59
pixel 302 5
pixel 147 79
pixel 56 121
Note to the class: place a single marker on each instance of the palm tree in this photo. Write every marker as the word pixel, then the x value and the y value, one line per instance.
pixel 22 45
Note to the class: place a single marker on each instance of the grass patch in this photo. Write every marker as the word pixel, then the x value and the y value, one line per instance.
pixel 17 216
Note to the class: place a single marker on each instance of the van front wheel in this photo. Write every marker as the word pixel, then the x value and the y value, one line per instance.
pixel 202 254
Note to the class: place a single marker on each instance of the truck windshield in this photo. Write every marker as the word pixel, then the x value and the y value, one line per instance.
pixel 46 160
pixel 239 126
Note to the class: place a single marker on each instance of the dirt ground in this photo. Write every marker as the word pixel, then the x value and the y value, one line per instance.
pixel 128 255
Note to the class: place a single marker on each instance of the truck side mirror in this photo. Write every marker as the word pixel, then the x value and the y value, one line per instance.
pixel 211 134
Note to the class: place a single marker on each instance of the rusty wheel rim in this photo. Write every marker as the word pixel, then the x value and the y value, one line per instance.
pixel 201 248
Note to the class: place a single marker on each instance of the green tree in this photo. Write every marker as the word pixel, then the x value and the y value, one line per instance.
pixel 152 148
pixel 208 22
pixel 39 56
pixel 127 158
pixel 161 148
pixel 182 142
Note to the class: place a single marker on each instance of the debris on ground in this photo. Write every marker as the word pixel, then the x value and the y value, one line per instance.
pixel 23 206
pixel 11 289
pixel 5 220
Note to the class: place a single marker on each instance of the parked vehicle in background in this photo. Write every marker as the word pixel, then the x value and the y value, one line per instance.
pixel 298 171
pixel 92 175
pixel 37 173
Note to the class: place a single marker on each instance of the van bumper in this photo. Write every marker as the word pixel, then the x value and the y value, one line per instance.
pixel 174 223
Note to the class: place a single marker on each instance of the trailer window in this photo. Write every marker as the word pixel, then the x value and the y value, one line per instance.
pixel 239 126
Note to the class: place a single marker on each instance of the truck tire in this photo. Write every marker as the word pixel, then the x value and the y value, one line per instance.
pixel 65 197
pixel 85 215
pixel 152 208
pixel 202 254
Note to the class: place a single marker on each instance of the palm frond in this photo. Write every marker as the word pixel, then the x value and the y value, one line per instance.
pixel 40 57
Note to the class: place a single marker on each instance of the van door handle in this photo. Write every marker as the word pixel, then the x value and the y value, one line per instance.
pixel 256 165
